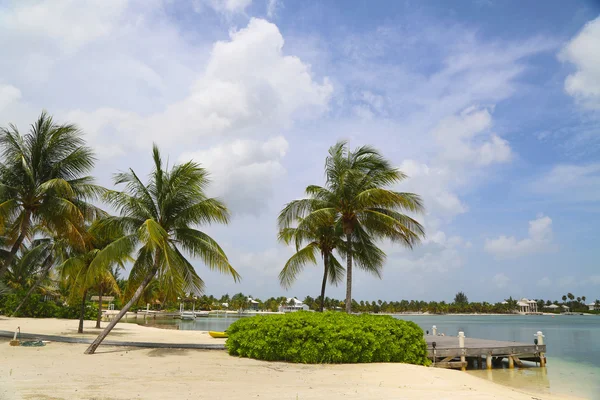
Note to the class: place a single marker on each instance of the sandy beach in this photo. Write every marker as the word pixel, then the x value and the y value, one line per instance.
pixel 62 371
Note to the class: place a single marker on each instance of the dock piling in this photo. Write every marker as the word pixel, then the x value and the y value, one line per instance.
pixel 540 341
pixel 461 344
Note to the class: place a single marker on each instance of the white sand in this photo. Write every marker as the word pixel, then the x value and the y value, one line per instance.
pixel 62 371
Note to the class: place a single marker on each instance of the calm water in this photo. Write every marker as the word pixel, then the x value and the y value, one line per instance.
pixel 573 344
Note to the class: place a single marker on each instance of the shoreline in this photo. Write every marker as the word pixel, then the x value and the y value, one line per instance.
pixel 122 373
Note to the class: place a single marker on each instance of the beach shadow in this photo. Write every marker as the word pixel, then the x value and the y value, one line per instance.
pixel 100 350
pixel 168 352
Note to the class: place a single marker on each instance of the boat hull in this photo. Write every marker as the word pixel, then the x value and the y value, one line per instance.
pixel 217 334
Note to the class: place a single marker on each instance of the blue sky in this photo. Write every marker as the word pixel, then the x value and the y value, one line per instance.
pixel 491 107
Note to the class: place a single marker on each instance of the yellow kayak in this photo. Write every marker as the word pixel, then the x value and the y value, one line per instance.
pixel 217 334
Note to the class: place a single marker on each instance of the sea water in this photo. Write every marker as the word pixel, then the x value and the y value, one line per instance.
pixel 573 346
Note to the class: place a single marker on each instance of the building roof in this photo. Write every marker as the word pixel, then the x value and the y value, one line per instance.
pixel 295 300
pixel 551 306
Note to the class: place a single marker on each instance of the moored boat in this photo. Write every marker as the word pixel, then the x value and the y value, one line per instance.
pixel 217 334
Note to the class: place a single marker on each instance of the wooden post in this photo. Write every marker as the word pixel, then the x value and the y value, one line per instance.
pixel 434 330
pixel 540 339
pixel 461 344
pixel 511 362
pixel 488 361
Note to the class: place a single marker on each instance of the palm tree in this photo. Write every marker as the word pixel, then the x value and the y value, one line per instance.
pixel 325 236
pixel 564 298
pixel 570 296
pixel 461 298
pixel 321 239
pixel 83 272
pixel 43 181
pixel 53 250
pixel 583 298
pixel 159 218
pixel 356 195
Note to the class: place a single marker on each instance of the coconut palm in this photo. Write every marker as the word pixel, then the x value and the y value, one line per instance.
pixel 83 272
pixel 357 194
pixel 564 298
pixel 159 219
pixel 51 251
pixel 43 182
pixel 323 239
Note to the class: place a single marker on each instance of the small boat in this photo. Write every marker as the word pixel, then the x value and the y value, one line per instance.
pixel 217 334
pixel 201 314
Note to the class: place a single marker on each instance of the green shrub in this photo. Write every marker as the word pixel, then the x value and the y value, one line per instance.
pixel 306 337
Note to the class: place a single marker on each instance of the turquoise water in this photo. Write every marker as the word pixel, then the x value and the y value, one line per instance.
pixel 573 346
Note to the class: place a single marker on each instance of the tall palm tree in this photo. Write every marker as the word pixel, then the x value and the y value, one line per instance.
pixel 357 194
pixel 159 219
pixel 43 180
pixel 564 298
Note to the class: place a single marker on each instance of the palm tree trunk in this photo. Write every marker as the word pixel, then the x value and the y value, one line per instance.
pixel 47 266
pixel 99 307
pixel 325 273
pixel 17 244
pixel 126 307
pixel 82 312
pixel 349 274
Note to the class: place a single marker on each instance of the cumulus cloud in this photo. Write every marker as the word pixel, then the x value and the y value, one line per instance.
pixel 248 88
pixel 8 95
pixel 243 171
pixel 539 239
pixel 583 51
pixel 466 138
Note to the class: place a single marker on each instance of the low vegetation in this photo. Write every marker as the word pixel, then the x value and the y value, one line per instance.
pixel 313 338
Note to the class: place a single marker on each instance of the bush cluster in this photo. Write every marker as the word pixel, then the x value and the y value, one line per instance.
pixel 37 307
pixel 331 337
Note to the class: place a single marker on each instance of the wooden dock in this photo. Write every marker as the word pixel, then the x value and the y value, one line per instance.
pixel 448 352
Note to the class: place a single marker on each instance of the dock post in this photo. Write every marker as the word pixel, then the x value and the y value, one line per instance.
pixel 434 330
pixel 540 341
pixel 488 361
pixel 461 344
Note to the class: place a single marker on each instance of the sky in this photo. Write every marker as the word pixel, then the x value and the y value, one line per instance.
pixel 492 108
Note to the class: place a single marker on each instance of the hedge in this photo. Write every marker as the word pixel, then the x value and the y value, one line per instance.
pixel 36 307
pixel 331 337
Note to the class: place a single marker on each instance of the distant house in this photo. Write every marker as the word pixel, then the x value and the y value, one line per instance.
pixel 552 307
pixel 565 308
pixel 527 306
pixel 293 304
pixel 252 304
pixel 594 306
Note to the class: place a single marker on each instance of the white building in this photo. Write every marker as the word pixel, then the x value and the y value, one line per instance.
pixel 527 306
pixel 252 304
pixel 552 307
pixel 293 304
pixel 594 306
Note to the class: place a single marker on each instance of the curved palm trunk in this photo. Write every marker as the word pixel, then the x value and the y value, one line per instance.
pixel 325 273
pixel 111 325
pixel 349 274
pixel 99 318
pixel 47 266
pixel 82 313
pixel 17 244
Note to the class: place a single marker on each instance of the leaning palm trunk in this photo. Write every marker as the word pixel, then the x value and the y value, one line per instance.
pixel 325 273
pixel 99 317
pixel 111 325
pixel 349 274
pixel 34 286
pixel 82 313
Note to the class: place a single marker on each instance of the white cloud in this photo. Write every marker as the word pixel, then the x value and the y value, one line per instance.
pixel 466 138
pixel 243 171
pixel 223 6
pixel 8 94
pixel 570 182
pixel 272 6
pixel 249 88
pixel 540 239
pixel 544 282
pixel 70 24
pixel 584 52
pixel 594 279
pixel 500 280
